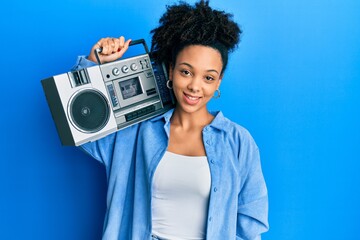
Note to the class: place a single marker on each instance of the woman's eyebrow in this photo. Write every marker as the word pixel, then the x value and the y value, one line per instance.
pixel 187 64
pixel 190 66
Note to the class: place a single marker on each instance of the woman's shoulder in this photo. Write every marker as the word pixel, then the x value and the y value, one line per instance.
pixel 226 124
pixel 231 128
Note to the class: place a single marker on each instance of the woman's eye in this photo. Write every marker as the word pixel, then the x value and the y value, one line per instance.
pixel 185 72
pixel 209 78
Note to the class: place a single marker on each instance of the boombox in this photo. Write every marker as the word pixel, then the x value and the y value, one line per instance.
pixel 93 102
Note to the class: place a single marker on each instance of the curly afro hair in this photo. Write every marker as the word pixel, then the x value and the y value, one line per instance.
pixel 183 25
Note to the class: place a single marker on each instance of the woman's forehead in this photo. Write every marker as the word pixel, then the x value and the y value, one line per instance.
pixel 200 56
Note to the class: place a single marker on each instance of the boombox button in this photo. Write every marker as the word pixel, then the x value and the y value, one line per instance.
pixel 148 74
pixel 125 69
pixel 116 71
pixel 134 67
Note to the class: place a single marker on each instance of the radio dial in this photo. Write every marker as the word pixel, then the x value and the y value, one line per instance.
pixel 116 71
pixel 134 67
pixel 125 69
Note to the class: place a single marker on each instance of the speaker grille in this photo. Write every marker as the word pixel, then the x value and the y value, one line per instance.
pixel 89 111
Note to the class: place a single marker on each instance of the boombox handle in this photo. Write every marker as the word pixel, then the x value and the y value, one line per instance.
pixel 135 42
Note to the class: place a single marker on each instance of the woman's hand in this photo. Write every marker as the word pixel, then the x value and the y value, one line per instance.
pixel 112 49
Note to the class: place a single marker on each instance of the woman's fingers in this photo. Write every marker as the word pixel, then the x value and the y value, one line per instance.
pixel 124 48
pixel 112 49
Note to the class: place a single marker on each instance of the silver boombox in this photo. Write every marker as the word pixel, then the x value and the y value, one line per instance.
pixel 93 102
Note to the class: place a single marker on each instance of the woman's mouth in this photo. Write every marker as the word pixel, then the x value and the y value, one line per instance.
pixel 191 100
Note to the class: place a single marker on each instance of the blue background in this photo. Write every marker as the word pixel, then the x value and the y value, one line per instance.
pixel 294 82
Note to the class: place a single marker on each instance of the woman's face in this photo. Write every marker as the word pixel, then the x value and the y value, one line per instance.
pixel 196 76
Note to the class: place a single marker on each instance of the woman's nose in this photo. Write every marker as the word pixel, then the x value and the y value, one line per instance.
pixel 194 85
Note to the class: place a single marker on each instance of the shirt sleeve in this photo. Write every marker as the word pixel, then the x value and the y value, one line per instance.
pixel 252 215
pixel 82 62
pixel 113 146
pixel 102 149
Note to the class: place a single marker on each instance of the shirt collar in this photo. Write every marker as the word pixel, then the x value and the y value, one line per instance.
pixel 219 122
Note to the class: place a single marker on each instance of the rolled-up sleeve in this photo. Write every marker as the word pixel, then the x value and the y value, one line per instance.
pixel 82 62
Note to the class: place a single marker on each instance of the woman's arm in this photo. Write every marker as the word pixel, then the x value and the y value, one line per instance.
pixel 112 49
pixel 252 215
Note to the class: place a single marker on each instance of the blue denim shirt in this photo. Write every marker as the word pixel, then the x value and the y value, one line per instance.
pixel 238 204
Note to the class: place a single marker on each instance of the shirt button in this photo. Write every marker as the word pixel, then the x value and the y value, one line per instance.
pixel 215 189
pixel 210 218
pixel 208 142
pixel 212 161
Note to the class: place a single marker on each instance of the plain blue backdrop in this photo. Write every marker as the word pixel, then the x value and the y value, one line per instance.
pixel 294 83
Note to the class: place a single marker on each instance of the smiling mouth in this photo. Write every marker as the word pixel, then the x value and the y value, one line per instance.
pixel 191 99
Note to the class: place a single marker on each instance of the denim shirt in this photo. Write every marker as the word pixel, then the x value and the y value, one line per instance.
pixel 238 204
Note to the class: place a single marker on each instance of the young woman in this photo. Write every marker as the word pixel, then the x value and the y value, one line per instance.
pixel 190 173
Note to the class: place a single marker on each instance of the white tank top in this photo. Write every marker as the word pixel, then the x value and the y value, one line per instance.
pixel 180 196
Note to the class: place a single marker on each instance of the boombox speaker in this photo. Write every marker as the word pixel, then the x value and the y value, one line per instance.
pixel 93 102
pixel 81 113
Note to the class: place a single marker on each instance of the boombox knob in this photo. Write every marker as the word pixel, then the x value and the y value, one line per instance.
pixel 125 69
pixel 116 71
pixel 134 67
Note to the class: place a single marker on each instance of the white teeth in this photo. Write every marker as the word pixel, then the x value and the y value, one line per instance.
pixel 192 98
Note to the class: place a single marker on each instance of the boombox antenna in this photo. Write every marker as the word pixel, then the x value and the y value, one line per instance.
pixel 138 41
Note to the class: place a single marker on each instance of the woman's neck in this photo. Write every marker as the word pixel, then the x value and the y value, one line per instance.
pixel 193 120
